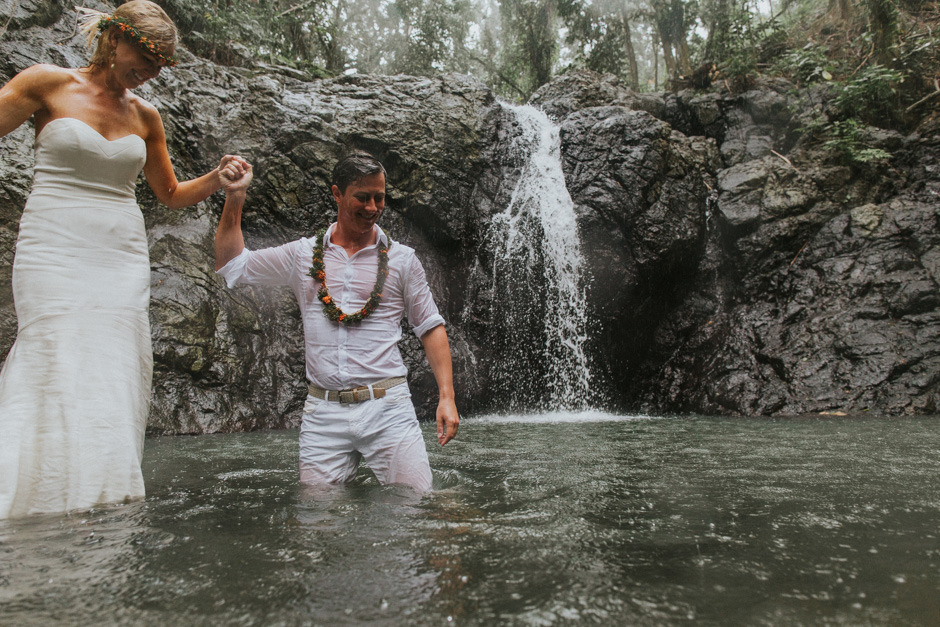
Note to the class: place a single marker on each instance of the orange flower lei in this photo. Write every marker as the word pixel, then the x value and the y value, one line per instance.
pixel 330 310
pixel 128 29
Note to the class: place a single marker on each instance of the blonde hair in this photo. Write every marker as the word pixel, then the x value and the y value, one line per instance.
pixel 147 17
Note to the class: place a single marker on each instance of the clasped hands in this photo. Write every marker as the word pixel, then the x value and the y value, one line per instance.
pixel 235 174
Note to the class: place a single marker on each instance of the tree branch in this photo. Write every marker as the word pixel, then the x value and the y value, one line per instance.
pixel 492 67
pixel 16 5
pixel 936 84
pixel 295 7
pixel 789 163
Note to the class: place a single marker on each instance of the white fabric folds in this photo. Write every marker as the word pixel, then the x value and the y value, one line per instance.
pixel 75 387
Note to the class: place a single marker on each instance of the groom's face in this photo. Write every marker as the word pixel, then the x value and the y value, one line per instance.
pixel 361 205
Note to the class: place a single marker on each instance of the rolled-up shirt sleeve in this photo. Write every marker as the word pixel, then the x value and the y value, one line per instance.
pixel 420 308
pixel 269 266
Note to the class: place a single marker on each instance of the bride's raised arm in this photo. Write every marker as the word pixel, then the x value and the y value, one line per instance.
pixel 159 171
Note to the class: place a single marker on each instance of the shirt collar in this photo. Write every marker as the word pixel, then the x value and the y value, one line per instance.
pixel 382 238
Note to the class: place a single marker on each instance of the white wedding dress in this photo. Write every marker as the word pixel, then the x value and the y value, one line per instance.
pixel 75 387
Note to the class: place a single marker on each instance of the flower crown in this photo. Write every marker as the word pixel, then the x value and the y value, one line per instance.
pixel 131 31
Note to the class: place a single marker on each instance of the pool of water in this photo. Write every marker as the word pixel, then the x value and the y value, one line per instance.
pixel 535 520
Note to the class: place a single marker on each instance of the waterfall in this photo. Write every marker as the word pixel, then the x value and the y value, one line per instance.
pixel 537 276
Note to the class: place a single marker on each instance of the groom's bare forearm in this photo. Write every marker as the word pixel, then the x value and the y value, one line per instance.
pixel 437 349
pixel 229 241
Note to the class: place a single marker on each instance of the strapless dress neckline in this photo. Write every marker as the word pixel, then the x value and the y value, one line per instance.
pixel 68 120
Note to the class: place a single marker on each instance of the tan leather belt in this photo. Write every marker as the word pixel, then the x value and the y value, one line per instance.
pixel 356 395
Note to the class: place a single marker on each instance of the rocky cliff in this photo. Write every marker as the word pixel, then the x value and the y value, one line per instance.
pixel 809 285
pixel 731 267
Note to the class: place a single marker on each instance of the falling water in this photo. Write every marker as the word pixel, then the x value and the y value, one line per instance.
pixel 536 246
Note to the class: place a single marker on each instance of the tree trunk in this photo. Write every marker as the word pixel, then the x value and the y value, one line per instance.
pixel 843 8
pixel 678 35
pixel 544 50
pixel 684 58
pixel 717 39
pixel 629 52
pixel 884 27
pixel 335 58
pixel 655 69
pixel 668 58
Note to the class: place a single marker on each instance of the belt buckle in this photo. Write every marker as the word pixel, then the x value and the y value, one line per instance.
pixel 348 397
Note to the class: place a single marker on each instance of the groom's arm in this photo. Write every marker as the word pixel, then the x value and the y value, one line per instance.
pixel 437 349
pixel 229 241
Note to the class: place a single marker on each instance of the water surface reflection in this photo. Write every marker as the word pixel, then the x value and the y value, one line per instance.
pixel 544 519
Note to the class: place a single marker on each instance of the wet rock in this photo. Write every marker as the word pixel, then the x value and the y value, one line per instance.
pixel 579 89
pixel 815 286
pixel 845 320
pixel 642 195
pixel 233 360
pixel 721 277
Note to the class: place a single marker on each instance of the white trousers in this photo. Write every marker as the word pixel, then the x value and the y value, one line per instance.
pixel 334 437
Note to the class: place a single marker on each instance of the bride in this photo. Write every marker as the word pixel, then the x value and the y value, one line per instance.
pixel 75 387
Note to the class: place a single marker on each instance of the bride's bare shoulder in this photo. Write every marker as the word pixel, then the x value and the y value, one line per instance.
pixel 31 91
pixel 43 78
pixel 49 72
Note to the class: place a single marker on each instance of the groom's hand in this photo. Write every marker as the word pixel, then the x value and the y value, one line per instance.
pixel 235 174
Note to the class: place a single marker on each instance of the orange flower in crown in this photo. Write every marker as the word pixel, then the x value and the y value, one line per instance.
pixel 128 29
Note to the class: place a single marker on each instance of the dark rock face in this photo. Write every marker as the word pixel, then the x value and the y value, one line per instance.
pixel 729 268
pixel 815 287
pixel 233 359
pixel 239 354
pixel 641 192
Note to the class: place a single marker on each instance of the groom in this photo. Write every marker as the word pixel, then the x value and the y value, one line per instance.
pixel 353 284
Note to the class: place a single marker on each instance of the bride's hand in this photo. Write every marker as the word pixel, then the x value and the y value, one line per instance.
pixel 227 159
pixel 235 175
pixel 230 159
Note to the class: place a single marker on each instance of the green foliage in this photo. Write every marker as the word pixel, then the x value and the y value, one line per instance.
pixel 808 64
pixel 847 139
pixel 737 48
pixel 601 37
pixel 741 43
pixel 238 32
pixel 529 44
pixel 329 37
pixel 429 36
pixel 871 95
pixel 880 56
pixel 867 97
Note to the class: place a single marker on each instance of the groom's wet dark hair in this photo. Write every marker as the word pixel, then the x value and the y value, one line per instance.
pixel 355 166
